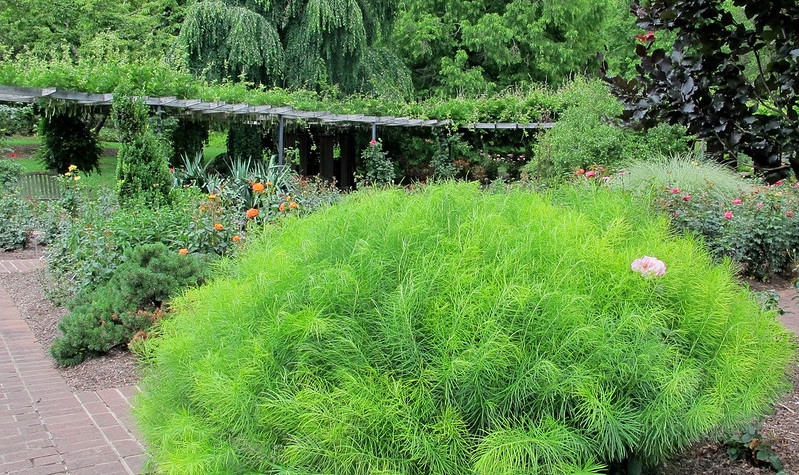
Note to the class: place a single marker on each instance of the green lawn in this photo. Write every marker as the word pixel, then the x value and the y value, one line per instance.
pixel 108 165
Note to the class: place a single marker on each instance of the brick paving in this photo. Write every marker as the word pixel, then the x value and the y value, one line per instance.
pixel 45 428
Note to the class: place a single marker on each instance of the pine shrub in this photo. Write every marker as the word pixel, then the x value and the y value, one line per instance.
pixel 110 314
pixel 452 331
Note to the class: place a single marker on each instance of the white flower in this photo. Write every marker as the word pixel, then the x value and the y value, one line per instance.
pixel 649 267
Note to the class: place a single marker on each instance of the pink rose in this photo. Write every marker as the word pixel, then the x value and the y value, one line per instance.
pixel 579 172
pixel 686 198
pixel 728 215
pixel 649 267
pixel 590 173
pixel 789 214
pixel 373 142
pixel 675 190
pixel 737 201
pixel 778 182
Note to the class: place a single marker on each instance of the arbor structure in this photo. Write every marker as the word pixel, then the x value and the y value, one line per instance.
pixel 732 77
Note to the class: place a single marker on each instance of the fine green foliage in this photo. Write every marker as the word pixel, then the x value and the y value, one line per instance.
pixel 67 140
pixel 685 172
pixel 455 331
pixel 143 159
pixel 583 135
pixel 111 313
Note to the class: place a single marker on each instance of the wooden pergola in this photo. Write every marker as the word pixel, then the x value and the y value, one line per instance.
pixel 206 110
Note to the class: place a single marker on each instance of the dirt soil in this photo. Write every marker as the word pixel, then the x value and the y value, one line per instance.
pixel 780 429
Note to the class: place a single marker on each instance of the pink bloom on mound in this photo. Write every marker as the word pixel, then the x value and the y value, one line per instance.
pixel 728 215
pixel 686 198
pixel 778 182
pixel 579 172
pixel 759 205
pixel 675 190
pixel 737 201
pixel 676 214
pixel 649 267
pixel 590 173
pixel 789 214
pixel 373 142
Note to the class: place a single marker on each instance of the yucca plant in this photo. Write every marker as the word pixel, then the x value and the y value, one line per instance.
pixel 452 331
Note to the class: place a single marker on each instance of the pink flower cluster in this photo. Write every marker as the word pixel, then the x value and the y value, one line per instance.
pixel 649 267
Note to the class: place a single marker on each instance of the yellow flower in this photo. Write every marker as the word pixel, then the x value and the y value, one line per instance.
pixel 72 168
pixel 211 197
pixel 77 177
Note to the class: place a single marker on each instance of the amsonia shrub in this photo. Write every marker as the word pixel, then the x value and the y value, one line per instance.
pixel 452 331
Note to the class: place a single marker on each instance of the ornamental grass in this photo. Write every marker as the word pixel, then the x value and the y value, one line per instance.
pixel 452 331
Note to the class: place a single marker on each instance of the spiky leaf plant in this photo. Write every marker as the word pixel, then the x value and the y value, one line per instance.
pixel 451 331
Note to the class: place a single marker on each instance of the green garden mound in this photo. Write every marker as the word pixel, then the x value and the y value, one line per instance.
pixel 453 331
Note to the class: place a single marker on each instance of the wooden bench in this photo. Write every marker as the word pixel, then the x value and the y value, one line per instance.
pixel 41 186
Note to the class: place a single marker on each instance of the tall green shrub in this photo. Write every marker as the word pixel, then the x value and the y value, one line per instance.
pixel 143 158
pixel 68 140
pixel 451 331
pixel 583 135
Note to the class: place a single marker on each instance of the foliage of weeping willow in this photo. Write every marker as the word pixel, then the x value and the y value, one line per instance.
pixel 306 44
pixel 452 331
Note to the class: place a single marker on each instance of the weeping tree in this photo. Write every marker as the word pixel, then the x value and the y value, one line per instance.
pixel 304 43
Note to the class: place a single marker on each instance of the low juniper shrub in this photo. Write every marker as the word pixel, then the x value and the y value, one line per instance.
pixel 451 331
pixel 111 313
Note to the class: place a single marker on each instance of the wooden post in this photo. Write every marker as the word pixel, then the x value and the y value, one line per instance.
pixel 280 127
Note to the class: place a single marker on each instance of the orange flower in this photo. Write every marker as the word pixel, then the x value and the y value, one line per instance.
pixel 282 207
pixel 218 226
pixel 294 205
pixel 252 212
pixel 212 197
pixel 268 183
pixel 183 251
pixel 236 238
pixel 258 187
pixel 288 197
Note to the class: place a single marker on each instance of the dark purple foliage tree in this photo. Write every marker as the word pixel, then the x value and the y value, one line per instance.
pixel 730 79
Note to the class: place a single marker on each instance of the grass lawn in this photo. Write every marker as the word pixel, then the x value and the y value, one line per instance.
pixel 25 147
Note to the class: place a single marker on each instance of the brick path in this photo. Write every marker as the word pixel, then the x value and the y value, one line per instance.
pixel 44 427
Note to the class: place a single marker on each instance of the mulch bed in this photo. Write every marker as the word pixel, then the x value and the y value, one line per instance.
pixel 118 368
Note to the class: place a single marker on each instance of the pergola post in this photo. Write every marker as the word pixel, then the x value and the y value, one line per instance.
pixel 374 131
pixel 281 127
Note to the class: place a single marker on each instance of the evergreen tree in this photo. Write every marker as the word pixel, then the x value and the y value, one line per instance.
pixel 305 44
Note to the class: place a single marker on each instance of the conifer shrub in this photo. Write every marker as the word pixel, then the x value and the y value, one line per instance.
pixel 143 176
pixel 453 331
pixel 111 313
pixel 68 140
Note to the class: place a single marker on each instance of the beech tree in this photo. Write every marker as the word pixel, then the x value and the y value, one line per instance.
pixel 732 77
